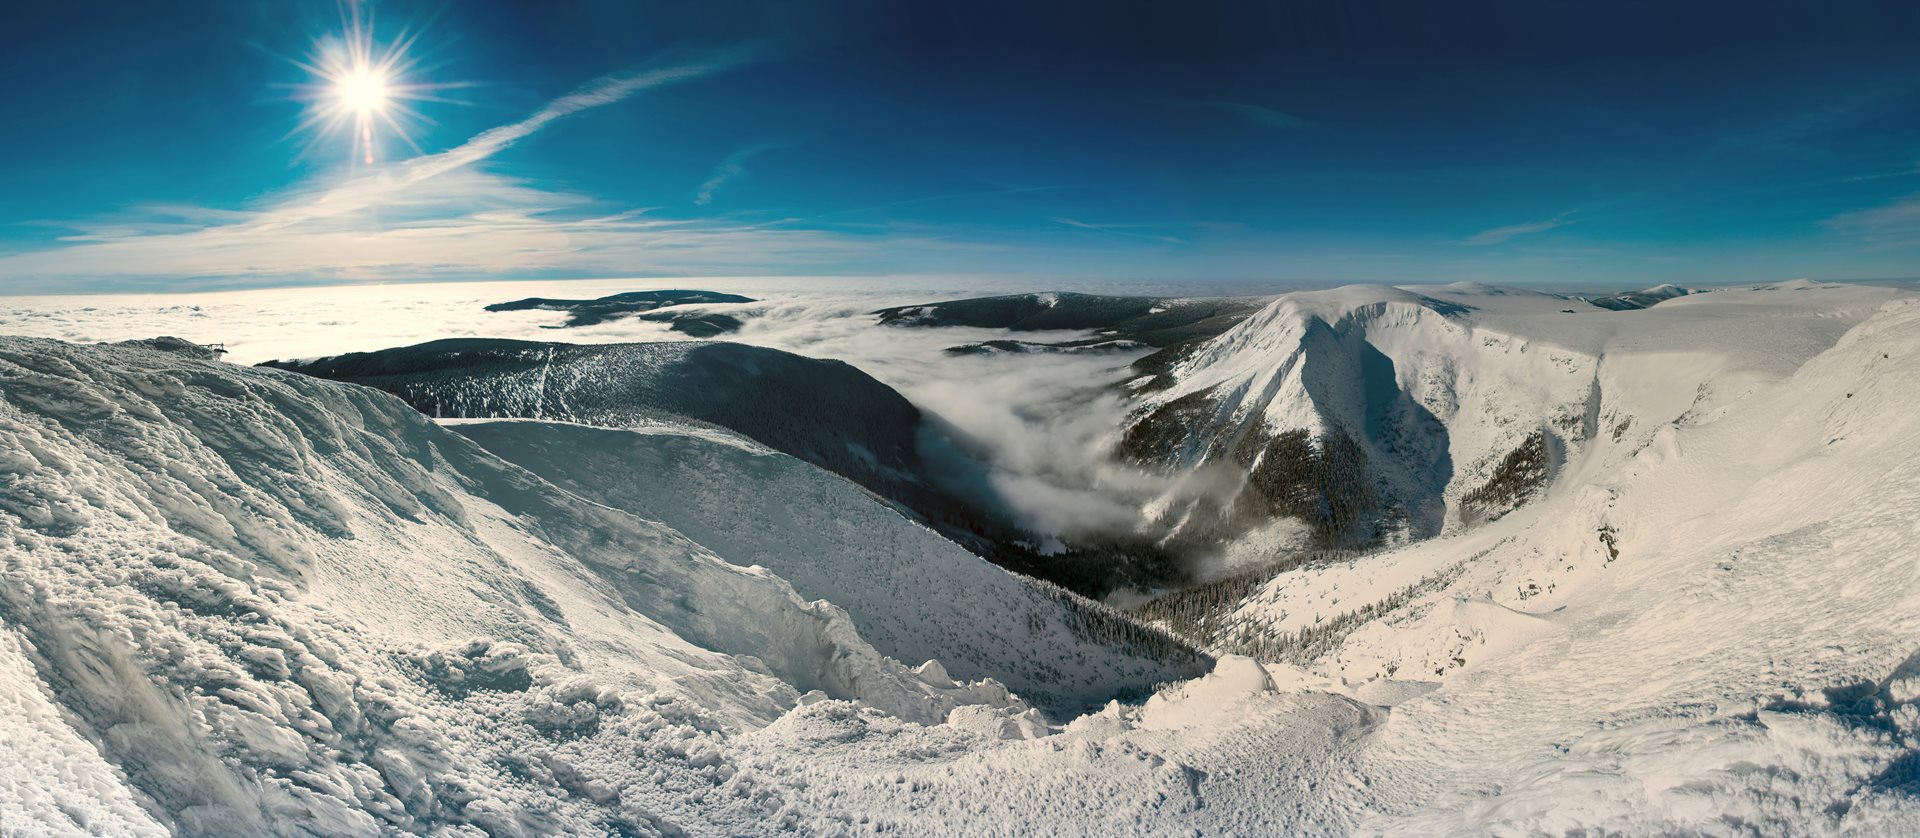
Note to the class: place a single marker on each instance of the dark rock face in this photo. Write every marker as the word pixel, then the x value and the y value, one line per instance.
pixel 1158 437
pixel 615 306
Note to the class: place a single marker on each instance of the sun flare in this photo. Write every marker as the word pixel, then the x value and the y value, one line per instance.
pixel 362 88
pixel 363 92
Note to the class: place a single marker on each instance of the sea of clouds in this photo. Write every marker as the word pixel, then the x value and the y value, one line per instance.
pixel 1024 433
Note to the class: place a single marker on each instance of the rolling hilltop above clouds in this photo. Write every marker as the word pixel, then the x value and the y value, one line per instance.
pixel 1468 561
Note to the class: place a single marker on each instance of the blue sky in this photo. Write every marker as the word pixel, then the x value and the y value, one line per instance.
pixel 157 146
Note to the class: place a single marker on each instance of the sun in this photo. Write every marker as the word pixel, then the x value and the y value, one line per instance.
pixel 364 92
pixel 361 87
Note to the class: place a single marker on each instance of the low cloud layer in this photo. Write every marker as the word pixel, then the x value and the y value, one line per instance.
pixel 1031 430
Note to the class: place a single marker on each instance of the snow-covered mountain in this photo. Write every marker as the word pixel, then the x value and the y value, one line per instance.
pixel 1371 415
pixel 239 601
pixel 826 412
pixel 1702 623
pixel 235 597
pixel 914 595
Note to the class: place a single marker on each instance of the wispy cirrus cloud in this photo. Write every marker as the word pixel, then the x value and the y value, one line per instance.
pixel 1257 114
pixel 732 168
pixel 1898 221
pixel 1502 235
pixel 1132 231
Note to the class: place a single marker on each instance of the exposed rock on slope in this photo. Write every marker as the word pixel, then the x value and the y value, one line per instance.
pixel 1542 410
pixel 1366 414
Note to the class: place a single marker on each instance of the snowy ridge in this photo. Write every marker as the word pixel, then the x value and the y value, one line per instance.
pixel 1714 650
pixel 914 595
pixel 267 599
pixel 1427 406
pixel 328 614
pixel 1406 413
pixel 1743 645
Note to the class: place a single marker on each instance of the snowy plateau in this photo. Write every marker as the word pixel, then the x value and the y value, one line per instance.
pixel 1443 560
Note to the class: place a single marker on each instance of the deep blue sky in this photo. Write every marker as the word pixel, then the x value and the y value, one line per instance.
pixel 1568 143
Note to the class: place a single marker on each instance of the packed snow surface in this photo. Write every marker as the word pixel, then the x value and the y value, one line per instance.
pixel 234 598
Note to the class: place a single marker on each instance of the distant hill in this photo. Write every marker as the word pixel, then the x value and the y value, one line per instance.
pixel 616 306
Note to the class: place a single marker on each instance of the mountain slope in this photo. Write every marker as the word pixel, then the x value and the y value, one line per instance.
pixel 1703 623
pixel 825 412
pixel 1370 416
pixel 264 599
pixel 1708 626
pixel 1705 626
pixel 914 595
pixel 1366 415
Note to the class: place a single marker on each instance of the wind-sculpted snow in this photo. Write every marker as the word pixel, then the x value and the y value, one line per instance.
pixel 914 595
pixel 266 602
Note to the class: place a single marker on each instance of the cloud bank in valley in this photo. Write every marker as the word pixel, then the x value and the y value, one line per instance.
pixel 1026 434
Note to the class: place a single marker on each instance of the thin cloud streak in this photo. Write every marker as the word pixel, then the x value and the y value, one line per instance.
pixel 1257 114
pixel 1501 235
pixel 1890 227
pixel 732 168
pixel 1126 230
